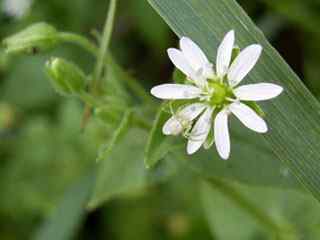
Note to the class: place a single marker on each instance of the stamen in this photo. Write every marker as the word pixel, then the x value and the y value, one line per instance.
pixel 233 100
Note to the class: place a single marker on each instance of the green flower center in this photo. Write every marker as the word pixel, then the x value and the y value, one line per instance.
pixel 218 93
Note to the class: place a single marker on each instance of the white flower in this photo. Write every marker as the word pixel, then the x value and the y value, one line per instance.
pixel 214 94
pixel 16 8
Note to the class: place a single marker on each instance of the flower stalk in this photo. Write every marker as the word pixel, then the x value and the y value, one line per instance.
pixel 101 56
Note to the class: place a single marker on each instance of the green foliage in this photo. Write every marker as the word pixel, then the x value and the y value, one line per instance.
pixel 286 208
pixel 145 186
pixel 178 76
pixel 158 145
pixel 63 224
pixel 116 136
pixel 123 172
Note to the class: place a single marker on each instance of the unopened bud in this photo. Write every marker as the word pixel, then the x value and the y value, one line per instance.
pixel 66 77
pixel 36 38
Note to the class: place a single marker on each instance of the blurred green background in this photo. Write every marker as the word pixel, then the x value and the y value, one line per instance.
pixel 43 151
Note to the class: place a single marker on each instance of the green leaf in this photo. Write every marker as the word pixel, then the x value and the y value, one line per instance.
pixel 222 212
pixel 251 161
pixel 116 136
pixel 158 144
pixel 293 118
pixel 124 172
pixel 69 213
pixel 295 213
pixel 178 76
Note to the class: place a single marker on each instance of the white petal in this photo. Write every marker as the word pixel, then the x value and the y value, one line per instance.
pixel 175 91
pixel 208 71
pixel 175 125
pixel 248 117
pixel 243 64
pixel 200 78
pixel 225 53
pixel 258 92
pixel 180 61
pixel 221 134
pixel 172 127
pixel 193 53
pixel 200 131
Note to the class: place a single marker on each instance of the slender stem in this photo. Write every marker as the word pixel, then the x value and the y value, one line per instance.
pixel 101 56
pixel 80 41
pixel 93 49
pixel 90 100
pixel 229 191
pixel 105 41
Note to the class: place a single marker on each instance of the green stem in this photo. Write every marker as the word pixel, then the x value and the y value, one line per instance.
pixel 106 36
pixel 80 41
pixel 90 100
pixel 84 43
pixel 229 191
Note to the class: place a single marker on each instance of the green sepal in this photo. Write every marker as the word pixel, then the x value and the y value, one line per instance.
pixel 37 38
pixel 178 76
pixel 254 106
pixel 235 53
pixel 209 141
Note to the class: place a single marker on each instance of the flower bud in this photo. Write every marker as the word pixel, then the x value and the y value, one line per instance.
pixel 66 77
pixel 36 38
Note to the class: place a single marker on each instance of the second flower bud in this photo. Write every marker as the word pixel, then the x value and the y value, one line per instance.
pixel 66 77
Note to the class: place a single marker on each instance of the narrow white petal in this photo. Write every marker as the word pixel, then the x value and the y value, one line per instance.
pixel 180 61
pixel 258 92
pixel 175 91
pixel 175 125
pixel 221 134
pixel 248 117
pixel 172 127
pixel 191 111
pixel 200 131
pixel 193 53
pixel 225 53
pixel 208 71
pixel 243 64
